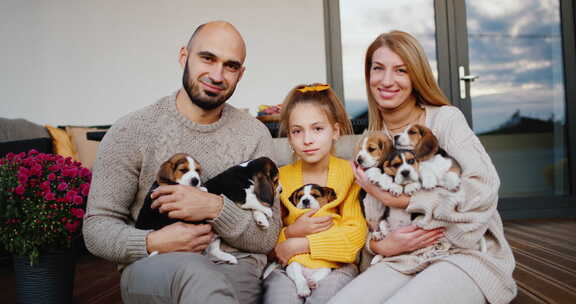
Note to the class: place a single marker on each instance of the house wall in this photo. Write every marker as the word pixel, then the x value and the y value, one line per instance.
pixel 90 62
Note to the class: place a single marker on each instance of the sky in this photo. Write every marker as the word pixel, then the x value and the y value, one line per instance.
pixel 514 48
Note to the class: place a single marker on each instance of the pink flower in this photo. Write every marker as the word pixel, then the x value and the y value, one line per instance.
pixel 32 152
pixel 22 178
pixel 19 190
pixel 71 227
pixel 78 200
pixel 70 196
pixel 79 213
pixel 53 168
pixel 85 189
pixel 62 186
pixel 45 186
pixel 51 176
pixel 10 155
pixel 49 196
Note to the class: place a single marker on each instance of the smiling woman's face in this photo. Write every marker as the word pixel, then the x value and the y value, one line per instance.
pixel 390 83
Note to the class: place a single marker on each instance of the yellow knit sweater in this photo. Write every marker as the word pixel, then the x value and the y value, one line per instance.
pixel 339 244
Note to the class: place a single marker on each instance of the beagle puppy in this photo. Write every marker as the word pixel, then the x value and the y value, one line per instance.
pixel 252 185
pixel 370 152
pixel 437 168
pixel 309 196
pixel 403 166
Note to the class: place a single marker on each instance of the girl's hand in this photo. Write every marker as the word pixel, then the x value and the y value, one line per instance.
pixel 291 247
pixel 406 239
pixel 374 190
pixel 306 225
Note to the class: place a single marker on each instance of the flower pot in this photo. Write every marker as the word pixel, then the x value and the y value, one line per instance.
pixel 49 281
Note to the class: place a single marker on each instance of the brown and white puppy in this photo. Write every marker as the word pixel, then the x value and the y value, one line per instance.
pixel 309 196
pixel 370 152
pixel 403 166
pixel 437 168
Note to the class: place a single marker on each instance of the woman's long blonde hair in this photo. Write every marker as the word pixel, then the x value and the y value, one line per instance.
pixel 424 87
pixel 318 94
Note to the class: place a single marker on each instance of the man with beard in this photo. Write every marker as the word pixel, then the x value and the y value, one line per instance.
pixel 194 120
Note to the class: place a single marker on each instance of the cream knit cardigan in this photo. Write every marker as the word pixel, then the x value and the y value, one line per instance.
pixel 468 215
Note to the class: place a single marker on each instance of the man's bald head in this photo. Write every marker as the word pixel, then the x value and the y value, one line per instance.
pixel 218 28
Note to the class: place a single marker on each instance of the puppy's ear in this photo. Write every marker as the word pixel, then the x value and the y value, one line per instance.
pixel 166 173
pixel 264 188
pixel 386 168
pixel 292 198
pixel 428 145
pixel 329 193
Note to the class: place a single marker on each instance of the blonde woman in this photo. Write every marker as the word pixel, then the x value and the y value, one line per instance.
pixel 402 91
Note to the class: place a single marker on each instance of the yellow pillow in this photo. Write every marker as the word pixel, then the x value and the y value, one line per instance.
pixel 85 149
pixel 61 143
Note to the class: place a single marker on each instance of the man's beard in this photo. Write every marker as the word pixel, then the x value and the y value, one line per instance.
pixel 194 92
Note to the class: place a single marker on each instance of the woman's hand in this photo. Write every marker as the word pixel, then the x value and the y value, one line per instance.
pixel 406 239
pixel 306 225
pixel 374 190
pixel 291 247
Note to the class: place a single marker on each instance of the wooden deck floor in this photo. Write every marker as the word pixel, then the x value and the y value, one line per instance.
pixel 545 252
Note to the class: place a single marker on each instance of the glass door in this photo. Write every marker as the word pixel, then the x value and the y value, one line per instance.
pixel 514 86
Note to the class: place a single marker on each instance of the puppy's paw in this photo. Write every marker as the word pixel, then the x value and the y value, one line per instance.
pixel 429 182
pixel 376 259
pixel 303 290
pixel 225 258
pixel 203 189
pixel 373 175
pixel 412 188
pixel 385 182
pixel 451 181
pixel 377 235
pixel 396 189
pixel 312 284
pixel 261 219
pixel 267 211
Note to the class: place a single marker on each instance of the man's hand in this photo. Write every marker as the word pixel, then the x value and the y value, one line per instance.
pixel 406 239
pixel 180 237
pixel 306 225
pixel 291 247
pixel 186 203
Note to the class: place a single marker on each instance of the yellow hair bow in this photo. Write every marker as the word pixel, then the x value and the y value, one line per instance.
pixel 317 88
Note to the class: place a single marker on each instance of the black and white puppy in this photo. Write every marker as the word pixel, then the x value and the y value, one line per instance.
pixel 309 196
pixel 252 185
pixel 437 168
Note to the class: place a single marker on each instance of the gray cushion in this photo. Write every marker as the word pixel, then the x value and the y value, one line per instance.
pixel 20 129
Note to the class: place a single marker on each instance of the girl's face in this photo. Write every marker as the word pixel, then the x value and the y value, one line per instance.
pixel 310 133
pixel 390 83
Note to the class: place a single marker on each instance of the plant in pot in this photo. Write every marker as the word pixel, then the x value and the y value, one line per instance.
pixel 42 203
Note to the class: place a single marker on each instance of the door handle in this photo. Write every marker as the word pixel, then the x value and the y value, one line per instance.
pixel 464 80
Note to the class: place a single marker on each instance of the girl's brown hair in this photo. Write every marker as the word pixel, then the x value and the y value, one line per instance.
pixel 424 86
pixel 321 95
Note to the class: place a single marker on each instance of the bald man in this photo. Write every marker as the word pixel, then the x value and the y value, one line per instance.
pixel 194 120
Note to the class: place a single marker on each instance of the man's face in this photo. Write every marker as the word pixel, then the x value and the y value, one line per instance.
pixel 212 70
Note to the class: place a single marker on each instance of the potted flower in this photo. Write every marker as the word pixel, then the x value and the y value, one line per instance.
pixel 42 203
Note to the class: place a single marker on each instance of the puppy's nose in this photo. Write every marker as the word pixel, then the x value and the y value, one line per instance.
pixel 359 160
pixel 194 182
pixel 306 203
pixel 405 173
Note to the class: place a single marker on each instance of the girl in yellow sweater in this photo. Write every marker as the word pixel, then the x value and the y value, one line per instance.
pixel 329 237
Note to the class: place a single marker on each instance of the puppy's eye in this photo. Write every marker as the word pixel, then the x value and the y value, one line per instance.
pixel 370 149
pixel 396 165
pixel 411 132
pixel 183 170
pixel 410 161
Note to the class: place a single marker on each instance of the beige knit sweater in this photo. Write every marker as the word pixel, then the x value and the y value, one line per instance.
pixel 129 157
pixel 467 215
